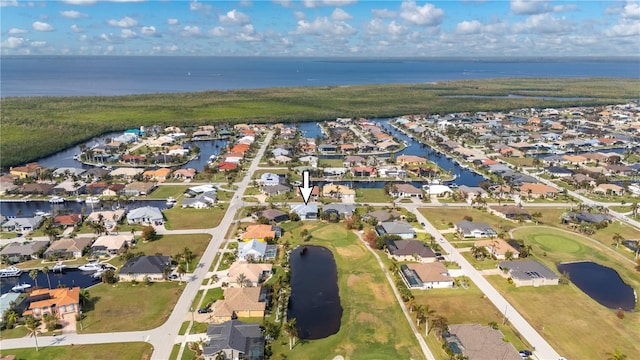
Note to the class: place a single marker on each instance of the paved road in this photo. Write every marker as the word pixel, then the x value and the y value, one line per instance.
pixel 543 351
pixel 165 336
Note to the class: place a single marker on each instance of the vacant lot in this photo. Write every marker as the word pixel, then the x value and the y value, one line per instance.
pixel 124 351
pixel 182 219
pixel 373 326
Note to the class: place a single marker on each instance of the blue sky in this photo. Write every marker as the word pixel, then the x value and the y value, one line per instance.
pixel 321 28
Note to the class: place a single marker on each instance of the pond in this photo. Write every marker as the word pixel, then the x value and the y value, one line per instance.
pixel 314 301
pixel 601 283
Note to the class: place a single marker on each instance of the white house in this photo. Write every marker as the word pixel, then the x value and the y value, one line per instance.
pixel 253 249
pixel 145 215
pixel 426 276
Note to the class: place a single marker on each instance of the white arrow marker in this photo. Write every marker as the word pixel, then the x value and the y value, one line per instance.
pixel 306 188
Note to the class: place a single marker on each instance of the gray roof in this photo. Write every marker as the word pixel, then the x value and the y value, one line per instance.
pixel 275 189
pixel 23 249
pixel 527 269
pixel 146 265
pixel 346 209
pixel 23 222
pixel 467 227
pixel 235 335
pixel 303 209
pixel 147 212
pixel 397 227
pixel 380 215
pixel 479 342
pixel 71 170
pixel 273 214
pixel 471 189
pixel 409 247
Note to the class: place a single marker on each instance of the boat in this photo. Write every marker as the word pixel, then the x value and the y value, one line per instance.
pixel 57 200
pixel 21 287
pixel 92 200
pixel 98 274
pixel 171 201
pixel 10 271
pixel 303 251
pixel 453 185
pixel 91 266
pixel 58 267
pixel 41 213
pixel 79 200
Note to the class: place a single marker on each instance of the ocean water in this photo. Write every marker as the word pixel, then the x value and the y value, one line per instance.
pixel 111 75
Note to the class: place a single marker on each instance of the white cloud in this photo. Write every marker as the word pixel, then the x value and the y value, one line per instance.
pixel 105 37
pixel 4 3
pixel 13 42
pixel 299 15
pixel 194 5
pixel 79 2
pixel 125 22
pixel 42 26
pixel 324 27
pixel 17 31
pixel 631 10
pixel 565 7
pixel 234 17
pixel 544 24
pixel 396 29
pixel 624 28
pixel 148 30
pixel 128 34
pixel 468 27
pixel 529 7
pixel 248 34
pixel 283 3
pixel 172 48
pixel 37 43
pixel 173 21
pixel 217 31
pixel 426 15
pixel 72 14
pixel 340 15
pixel 384 13
pixel 193 31
pixel 76 28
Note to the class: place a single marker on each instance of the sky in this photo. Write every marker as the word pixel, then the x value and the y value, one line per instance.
pixel 327 28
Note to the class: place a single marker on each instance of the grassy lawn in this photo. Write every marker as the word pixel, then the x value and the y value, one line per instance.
pixel 165 191
pixel 372 324
pixel 441 217
pixel 372 196
pixel 16 332
pixel 181 219
pixel 197 328
pixel 173 244
pixel 211 296
pixel 119 307
pixel 517 161
pixel 330 162
pixel 125 351
pixel 464 306
pixel 481 264
pixel 575 315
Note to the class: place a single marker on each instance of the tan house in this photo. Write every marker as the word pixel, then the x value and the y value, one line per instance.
pixel 110 218
pixel 537 190
pixel 609 189
pixel 239 302
pixel 137 188
pixel 259 232
pixel 111 244
pixel 498 248
pixel 68 248
pixel 158 175
pixel 253 273
pixel 60 302
pixel 338 191
pixel 410 160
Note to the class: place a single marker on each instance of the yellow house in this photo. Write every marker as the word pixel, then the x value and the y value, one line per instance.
pixel 29 170
pixel 159 175
pixel 239 301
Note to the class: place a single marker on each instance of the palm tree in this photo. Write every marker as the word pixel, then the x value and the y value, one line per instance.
pixel 32 325
pixel 536 216
pixel 33 274
pixel 180 270
pixel 427 313
pixel 11 318
pixel 440 324
pixel 187 254
pixel 616 355
pixel 85 297
pixel 419 314
pixel 617 238
pixel 242 280
pixel 45 270
pixel 291 330
pixel 634 208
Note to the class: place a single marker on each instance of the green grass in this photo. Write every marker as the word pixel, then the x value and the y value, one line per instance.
pixel 182 219
pixel 119 307
pixel 165 191
pixel 372 196
pixel 330 162
pixel 197 328
pixel 575 315
pixel 173 244
pixel 56 123
pixel 372 324
pixel 16 332
pixel 124 351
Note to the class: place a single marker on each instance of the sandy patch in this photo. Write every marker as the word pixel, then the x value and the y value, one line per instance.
pixel 352 280
pixel 351 251
pixel 381 292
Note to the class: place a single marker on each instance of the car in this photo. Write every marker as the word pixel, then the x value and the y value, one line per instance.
pixel 525 354
pixel 438 254
pixel 442 240
pixel 422 224
pixel 204 310
pixel 173 277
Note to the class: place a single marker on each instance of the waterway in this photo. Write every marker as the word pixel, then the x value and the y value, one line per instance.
pixel 315 300
pixel 29 208
pixel 67 278
pixel 601 283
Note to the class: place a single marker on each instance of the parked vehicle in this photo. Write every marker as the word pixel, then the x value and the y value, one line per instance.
pixel 204 310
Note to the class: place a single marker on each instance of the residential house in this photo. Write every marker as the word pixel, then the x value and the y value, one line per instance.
pixel 106 245
pixel 528 273
pixel 344 210
pixel 400 228
pixel 426 276
pixel 37 189
pixel 96 188
pixel 437 190
pixel 586 217
pixel 274 190
pixel 306 212
pixel 363 171
pixel 138 188
pixel 69 187
pixel 67 248
pixel 270 179
pixel 558 171
pixel 406 191
pixel 254 274
pixel 234 340
pixel 139 267
pixel 200 201
pixel 240 302
pixel 410 160
pixel 609 189
pixel 227 166
pixel 261 232
pixel 110 218
pixel 280 152
pixel 22 224
pixel 339 192
pixel 479 342
pixel 113 190
pixel 7 184
pixel 145 215
pixel 29 170
pixel 469 229
pixel 498 248
pixel 256 250
pixel 511 212
pixel 66 221
pixel 472 192
pixel 537 190
pixel 185 174
pixel 63 303
pixel 583 180
pixel 126 173
pixel 379 215
pixel 274 215
pixel 94 174
pixel 18 252
pixel 409 250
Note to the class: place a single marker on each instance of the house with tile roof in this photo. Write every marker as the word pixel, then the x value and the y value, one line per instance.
pixel 240 302
pixel 261 232
pixel 426 276
pixel 498 248
pixel 537 190
pixel 60 302
pixel 254 273
pixel 67 248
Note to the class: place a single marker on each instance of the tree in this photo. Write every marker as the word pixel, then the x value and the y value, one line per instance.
pixel 242 280
pixel 440 324
pixel 508 255
pixel 10 317
pixel 32 324
pixel 370 237
pixel 180 270
pixel 45 270
pixel 85 297
pixel 616 355
pixel 617 238
pixel 634 208
pixel 427 314
pixel 536 216
pixel 149 233
pixel 187 254
pixel 51 321
pixel 33 274
pixel 291 330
